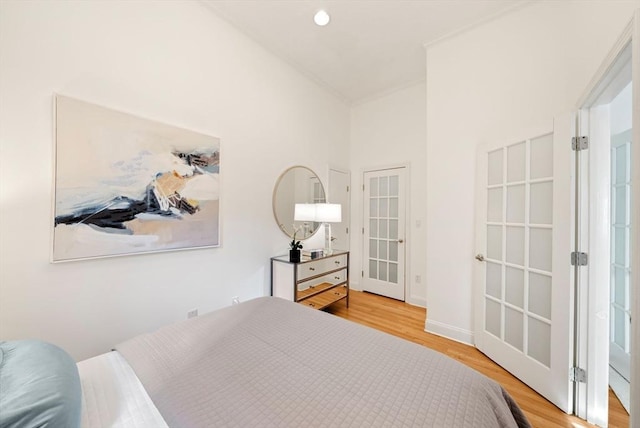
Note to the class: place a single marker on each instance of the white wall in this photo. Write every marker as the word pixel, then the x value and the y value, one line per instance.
pixel 390 131
pixel 171 61
pixel 485 85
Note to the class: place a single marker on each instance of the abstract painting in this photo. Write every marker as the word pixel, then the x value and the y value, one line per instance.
pixel 126 185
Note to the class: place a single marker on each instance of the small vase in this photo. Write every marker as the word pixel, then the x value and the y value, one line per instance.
pixel 294 256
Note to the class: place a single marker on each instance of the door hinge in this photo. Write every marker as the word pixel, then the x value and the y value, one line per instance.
pixel 347 231
pixel 577 374
pixel 579 143
pixel 579 259
pixel 347 189
pixel 363 187
pixel 362 273
pixel 363 230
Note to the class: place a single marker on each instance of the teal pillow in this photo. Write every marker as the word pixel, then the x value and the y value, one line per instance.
pixel 39 386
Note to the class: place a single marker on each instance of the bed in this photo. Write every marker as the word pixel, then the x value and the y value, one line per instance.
pixel 273 363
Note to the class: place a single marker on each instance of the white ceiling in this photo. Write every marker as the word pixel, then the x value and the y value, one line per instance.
pixel 369 47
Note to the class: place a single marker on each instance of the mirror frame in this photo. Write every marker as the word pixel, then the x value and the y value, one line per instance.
pixel 273 201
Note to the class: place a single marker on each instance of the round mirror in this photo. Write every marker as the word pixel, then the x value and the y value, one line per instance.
pixel 297 185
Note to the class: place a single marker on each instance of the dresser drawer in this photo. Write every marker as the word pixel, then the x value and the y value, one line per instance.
pixel 329 279
pixel 320 266
pixel 322 300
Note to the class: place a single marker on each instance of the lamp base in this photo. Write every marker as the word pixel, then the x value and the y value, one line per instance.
pixel 327 240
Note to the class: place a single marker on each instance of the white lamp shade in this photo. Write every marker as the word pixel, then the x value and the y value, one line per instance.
pixel 304 212
pixel 328 213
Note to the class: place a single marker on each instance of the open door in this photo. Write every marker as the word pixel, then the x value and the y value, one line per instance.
pixel 621 273
pixel 523 279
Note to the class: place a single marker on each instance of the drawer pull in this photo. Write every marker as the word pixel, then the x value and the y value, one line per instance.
pixel 312 268
pixel 336 277
pixel 337 262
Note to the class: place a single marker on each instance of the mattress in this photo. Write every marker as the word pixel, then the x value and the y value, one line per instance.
pixel 273 363
pixel 112 395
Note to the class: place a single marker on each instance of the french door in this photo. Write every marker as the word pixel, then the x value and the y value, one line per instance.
pixel 523 276
pixel 384 233
pixel 620 309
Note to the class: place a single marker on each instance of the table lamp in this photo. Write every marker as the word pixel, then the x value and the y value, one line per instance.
pixel 327 214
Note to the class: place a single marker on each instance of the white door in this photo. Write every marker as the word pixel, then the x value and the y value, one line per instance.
pixel 339 193
pixel 620 309
pixel 523 277
pixel 384 232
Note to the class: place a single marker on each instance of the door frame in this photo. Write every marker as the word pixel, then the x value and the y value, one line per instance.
pixel 593 338
pixel 407 229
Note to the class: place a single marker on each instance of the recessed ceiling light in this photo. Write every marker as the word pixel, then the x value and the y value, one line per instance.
pixel 321 18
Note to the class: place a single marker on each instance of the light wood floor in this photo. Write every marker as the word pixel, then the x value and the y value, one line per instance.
pixel 406 321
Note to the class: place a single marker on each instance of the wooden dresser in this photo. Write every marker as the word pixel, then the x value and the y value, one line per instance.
pixel 317 283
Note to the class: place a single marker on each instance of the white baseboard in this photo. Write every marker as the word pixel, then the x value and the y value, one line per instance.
pixel 450 332
pixel 416 301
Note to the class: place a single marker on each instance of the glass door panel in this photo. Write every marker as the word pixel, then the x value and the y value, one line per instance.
pixel 620 309
pixel 524 218
pixel 384 232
